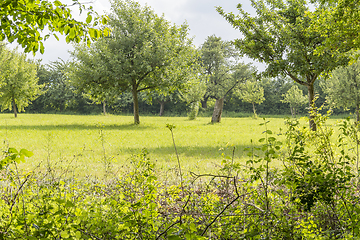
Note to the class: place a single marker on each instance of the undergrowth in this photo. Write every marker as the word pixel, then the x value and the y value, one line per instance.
pixel 314 195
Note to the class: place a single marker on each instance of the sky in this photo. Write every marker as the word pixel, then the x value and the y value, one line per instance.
pixel 200 15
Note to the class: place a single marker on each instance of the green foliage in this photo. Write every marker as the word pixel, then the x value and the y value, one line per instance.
pixel 19 82
pixel 25 20
pixel 252 93
pixel 335 20
pixel 144 52
pixel 343 88
pixel 294 96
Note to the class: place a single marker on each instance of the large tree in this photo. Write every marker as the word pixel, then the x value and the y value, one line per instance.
pixel 219 60
pixel 144 52
pixel 24 21
pixel 18 81
pixel 343 88
pixel 281 35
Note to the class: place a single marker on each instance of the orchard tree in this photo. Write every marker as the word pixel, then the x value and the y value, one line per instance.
pixel 25 20
pixel 224 73
pixel 343 88
pixel 18 81
pixel 294 96
pixel 144 52
pixel 281 35
pixel 251 92
pixel 192 95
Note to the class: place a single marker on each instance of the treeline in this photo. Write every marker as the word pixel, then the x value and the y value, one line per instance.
pixel 58 95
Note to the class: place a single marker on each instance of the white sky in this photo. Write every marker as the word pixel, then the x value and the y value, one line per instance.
pixel 201 16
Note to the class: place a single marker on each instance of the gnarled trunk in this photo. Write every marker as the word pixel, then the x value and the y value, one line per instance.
pixel 136 105
pixel 219 104
pixel 312 109
pixel 14 108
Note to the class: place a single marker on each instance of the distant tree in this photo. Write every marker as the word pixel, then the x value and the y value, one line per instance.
pixel 24 21
pixel 18 81
pixel 282 36
pixel 251 92
pixel 294 96
pixel 219 60
pixel 343 88
pixel 144 52
pixel 193 95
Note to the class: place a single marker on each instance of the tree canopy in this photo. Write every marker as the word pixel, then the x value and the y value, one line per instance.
pixel 282 36
pixel 224 72
pixel 144 52
pixel 294 96
pixel 24 21
pixel 343 88
pixel 18 81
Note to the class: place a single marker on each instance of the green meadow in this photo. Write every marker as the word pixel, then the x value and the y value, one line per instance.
pixel 83 142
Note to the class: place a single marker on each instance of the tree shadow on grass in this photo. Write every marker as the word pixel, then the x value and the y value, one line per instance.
pixel 75 127
pixel 200 152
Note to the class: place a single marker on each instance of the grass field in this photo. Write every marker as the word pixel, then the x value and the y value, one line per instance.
pixel 85 140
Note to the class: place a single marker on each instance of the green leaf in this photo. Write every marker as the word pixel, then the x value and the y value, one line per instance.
pixel 13 150
pixel 89 18
pixel 26 153
pixel 64 234
pixel 261 139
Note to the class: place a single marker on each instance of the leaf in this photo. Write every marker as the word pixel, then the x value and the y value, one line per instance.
pixel 26 153
pixel 64 234
pixel 261 139
pixel 89 18
pixel 13 150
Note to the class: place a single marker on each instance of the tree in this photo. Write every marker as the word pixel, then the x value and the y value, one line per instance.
pixel 19 83
pixel 192 95
pixel 282 36
pixel 144 52
pixel 252 93
pixel 343 88
pixel 25 20
pixel 219 60
pixel 294 96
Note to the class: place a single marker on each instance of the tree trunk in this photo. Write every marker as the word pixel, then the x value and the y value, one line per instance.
pixel 292 111
pixel 219 104
pixel 312 109
pixel 357 114
pixel 136 106
pixel 254 110
pixel 162 106
pixel 104 107
pixel 14 107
